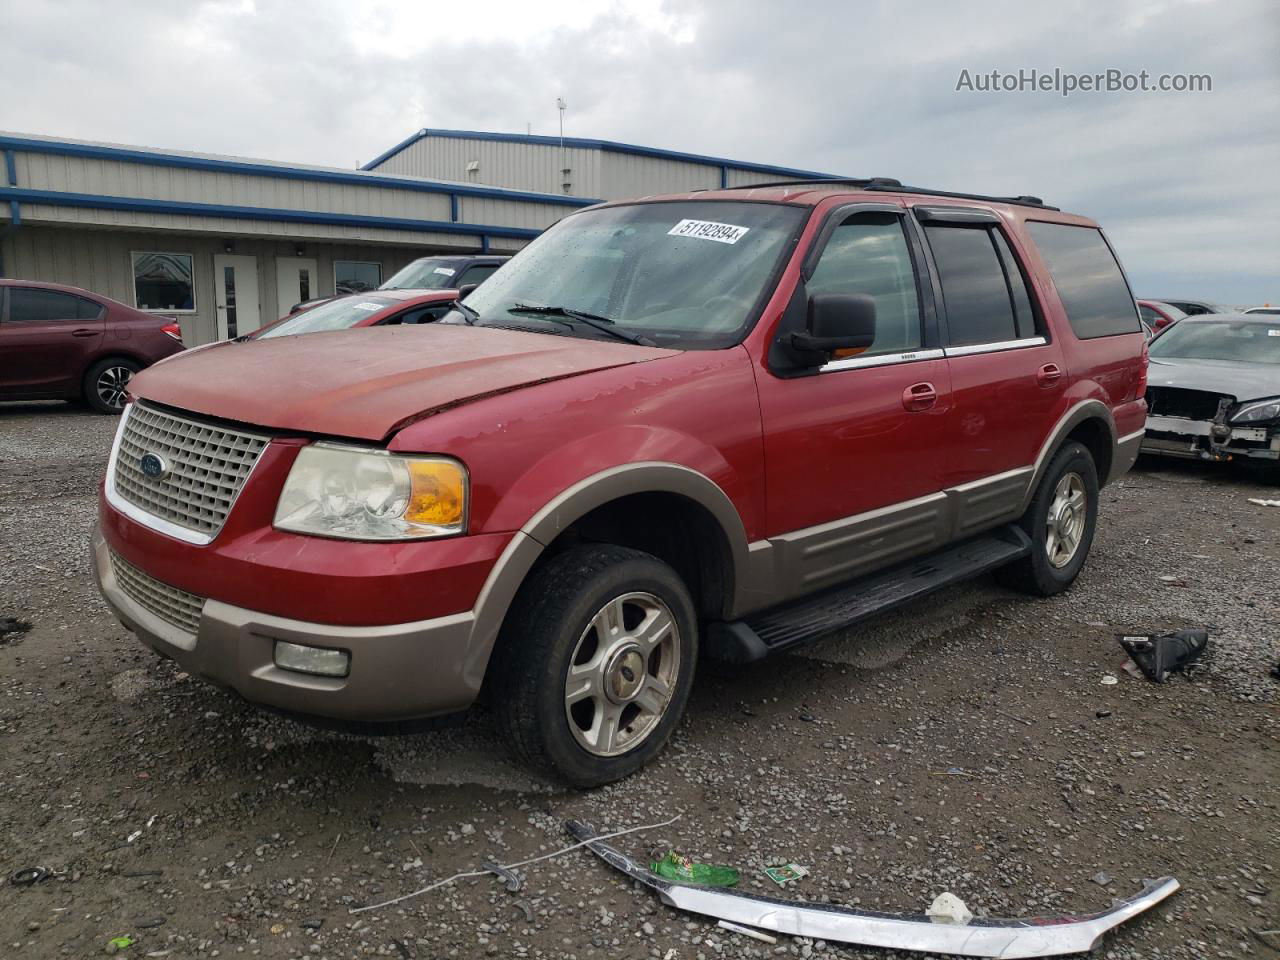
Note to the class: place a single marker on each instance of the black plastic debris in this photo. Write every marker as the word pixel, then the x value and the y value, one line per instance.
pixel 28 876
pixel 1157 657
pixel 9 627
pixel 508 877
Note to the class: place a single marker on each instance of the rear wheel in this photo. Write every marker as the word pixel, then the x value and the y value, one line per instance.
pixel 1060 522
pixel 595 663
pixel 107 383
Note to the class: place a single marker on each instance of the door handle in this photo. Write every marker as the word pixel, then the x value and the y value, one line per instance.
pixel 919 396
pixel 1048 375
pixel 84 333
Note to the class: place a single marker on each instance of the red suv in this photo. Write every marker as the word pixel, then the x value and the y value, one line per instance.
pixel 720 423
pixel 64 343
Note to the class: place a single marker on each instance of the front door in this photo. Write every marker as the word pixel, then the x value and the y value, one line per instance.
pixel 295 282
pixel 235 291
pixel 853 481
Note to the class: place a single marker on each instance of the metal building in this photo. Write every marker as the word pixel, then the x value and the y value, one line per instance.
pixel 206 238
pixel 572 165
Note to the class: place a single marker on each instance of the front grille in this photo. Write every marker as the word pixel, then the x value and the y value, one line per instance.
pixel 207 466
pixel 170 604
pixel 1192 404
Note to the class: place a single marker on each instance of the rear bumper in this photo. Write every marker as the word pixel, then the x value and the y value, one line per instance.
pixel 398 671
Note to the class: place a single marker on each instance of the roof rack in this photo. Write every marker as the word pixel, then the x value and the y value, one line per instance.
pixel 890 185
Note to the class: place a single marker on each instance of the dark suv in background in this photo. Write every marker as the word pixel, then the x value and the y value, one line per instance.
pixel 64 343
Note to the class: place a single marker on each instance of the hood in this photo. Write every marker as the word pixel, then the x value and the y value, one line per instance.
pixel 365 383
pixel 1244 381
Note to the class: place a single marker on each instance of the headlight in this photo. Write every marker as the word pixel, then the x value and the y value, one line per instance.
pixel 355 493
pixel 1256 411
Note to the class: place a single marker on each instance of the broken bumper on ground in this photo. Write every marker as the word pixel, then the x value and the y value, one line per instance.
pixel 981 937
pixel 1209 439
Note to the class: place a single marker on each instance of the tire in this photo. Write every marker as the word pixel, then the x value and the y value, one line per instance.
pixel 1071 480
pixel 560 620
pixel 106 382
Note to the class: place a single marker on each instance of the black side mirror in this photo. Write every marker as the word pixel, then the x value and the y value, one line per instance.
pixel 838 321
pixel 464 291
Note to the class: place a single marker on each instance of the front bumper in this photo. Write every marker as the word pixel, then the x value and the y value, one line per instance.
pixel 1209 440
pixel 398 671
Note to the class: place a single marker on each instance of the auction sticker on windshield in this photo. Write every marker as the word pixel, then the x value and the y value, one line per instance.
pixel 367 306
pixel 444 271
pixel 708 230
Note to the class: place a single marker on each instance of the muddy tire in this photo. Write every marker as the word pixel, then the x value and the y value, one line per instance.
pixel 594 664
pixel 1060 522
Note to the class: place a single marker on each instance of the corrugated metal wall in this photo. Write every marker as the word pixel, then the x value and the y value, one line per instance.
pixel 101 260
pixel 627 175
pixel 516 166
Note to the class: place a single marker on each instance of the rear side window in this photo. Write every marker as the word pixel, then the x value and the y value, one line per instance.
pixel 478 274
pixel 39 306
pixel 1089 281
pixel 868 254
pixel 982 287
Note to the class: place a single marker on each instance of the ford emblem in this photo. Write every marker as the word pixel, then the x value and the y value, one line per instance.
pixel 153 466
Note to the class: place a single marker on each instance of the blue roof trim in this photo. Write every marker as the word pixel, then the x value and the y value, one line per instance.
pixel 212 165
pixel 608 146
pixel 227 211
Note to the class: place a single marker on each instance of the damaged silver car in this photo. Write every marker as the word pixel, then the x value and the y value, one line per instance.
pixel 1213 389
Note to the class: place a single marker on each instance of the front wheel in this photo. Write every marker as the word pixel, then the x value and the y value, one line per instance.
pixel 1060 522
pixel 107 384
pixel 595 663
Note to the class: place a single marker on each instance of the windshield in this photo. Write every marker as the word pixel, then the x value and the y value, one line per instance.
pixel 429 274
pixel 1245 340
pixel 685 274
pixel 334 315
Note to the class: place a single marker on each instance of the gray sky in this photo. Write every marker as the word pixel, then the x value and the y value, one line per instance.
pixel 1185 183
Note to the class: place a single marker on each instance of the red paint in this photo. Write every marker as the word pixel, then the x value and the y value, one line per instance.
pixel 531 415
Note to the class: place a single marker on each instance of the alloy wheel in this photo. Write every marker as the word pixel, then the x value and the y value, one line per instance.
pixel 622 674
pixel 1065 523
pixel 112 385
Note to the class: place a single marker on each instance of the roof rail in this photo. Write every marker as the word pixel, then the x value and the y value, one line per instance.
pixel 890 185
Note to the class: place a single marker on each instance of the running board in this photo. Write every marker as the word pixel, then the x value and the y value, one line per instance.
pixel 807 619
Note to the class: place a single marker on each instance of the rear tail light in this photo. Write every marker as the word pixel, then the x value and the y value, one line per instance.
pixel 173 330
pixel 1141 390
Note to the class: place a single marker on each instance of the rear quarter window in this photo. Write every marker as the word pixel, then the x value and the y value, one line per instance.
pixel 1089 281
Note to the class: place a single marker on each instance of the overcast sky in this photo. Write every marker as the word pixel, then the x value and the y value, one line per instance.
pixel 1187 184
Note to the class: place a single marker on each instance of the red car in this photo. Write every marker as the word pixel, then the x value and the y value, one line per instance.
pixel 373 309
pixel 721 423
pixel 64 343
pixel 1157 314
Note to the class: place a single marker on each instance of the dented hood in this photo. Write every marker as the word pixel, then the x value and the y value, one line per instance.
pixel 365 383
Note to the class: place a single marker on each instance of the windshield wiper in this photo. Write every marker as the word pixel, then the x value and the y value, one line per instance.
pixel 468 314
pixel 593 320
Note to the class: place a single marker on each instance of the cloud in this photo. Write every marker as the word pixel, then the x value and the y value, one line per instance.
pixel 1182 181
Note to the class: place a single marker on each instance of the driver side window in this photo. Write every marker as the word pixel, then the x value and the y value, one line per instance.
pixel 868 254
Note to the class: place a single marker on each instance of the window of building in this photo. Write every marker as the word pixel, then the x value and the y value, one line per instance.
pixel 164 281
pixel 31 305
pixel 356 276
pixel 868 254
pixel 1088 279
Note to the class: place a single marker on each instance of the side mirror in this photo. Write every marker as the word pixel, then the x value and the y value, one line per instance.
pixel 464 291
pixel 838 321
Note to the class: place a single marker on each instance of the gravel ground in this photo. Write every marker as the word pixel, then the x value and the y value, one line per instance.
pixel 200 826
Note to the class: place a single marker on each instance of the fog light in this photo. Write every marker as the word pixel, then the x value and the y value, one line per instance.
pixel 313 660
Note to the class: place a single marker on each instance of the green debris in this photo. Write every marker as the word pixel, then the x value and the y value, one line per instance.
pixel 116 944
pixel 675 866
pixel 787 873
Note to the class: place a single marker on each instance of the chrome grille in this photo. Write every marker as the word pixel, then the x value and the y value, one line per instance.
pixel 207 466
pixel 170 604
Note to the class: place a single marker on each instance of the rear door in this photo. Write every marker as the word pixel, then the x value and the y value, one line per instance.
pixel 1008 378
pixel 852 479
pixel 47 338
